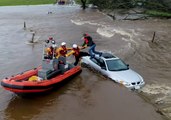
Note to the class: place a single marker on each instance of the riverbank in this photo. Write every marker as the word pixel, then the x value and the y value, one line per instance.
pixel 136 14
pixel 25 2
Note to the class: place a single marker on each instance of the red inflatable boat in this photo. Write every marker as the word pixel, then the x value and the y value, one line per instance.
pixel 52 73
pixel 28 81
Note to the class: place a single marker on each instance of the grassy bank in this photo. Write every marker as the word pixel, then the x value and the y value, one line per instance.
pixel 25 2
pixel 158 14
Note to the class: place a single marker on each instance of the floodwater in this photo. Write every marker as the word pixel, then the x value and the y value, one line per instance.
pixel 89 95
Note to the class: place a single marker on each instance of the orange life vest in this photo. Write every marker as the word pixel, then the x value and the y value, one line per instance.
pixel 76 51
pixel 63 51
pixel 49 51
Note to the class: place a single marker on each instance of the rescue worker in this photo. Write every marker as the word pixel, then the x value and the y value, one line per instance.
pixel 50 48
pixel 88 42
pixel 49 52
pixel 77 53
pixel 62 51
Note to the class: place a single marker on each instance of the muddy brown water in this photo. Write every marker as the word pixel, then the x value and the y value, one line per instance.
pixel 89 95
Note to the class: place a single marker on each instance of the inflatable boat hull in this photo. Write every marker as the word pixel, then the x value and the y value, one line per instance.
pixel 19 84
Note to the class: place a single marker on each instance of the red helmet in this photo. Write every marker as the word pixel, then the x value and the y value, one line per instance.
pixel 50 38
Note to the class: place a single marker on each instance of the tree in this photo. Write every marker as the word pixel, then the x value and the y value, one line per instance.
pixel 112 4
pixel 158 5
pixel 84 4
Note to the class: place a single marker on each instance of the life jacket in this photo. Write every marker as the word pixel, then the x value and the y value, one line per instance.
pixel 49 51
pixel 63 51
pixel 76 51
pixel 88 40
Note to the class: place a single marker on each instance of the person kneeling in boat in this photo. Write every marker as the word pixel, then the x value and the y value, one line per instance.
pixel 77 53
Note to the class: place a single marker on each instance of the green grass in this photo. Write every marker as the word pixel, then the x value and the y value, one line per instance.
pixel 25 2
pixel 158 13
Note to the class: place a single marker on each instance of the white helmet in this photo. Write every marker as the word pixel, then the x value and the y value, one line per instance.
pixel 74 45
pixel 54 45
pixel 63 43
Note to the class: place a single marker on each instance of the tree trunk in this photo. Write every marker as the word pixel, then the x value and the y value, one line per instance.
pixel 83 4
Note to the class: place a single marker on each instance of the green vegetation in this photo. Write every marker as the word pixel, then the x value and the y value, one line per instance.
pixel 25 2
pixel 158 14
pixel 78 1
pixel 158 8
pixel 112 4
pixel 159 5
